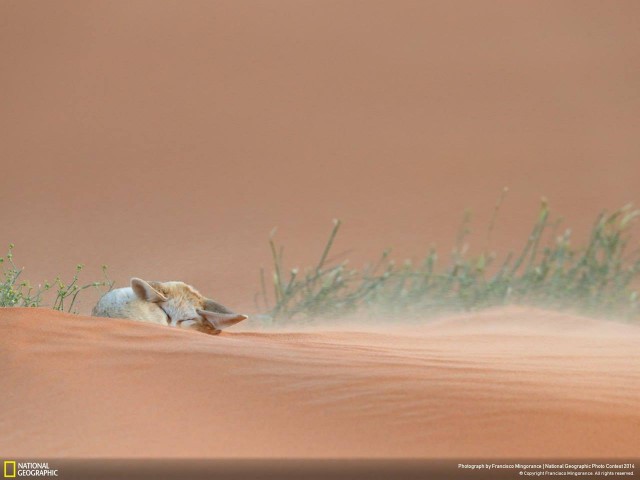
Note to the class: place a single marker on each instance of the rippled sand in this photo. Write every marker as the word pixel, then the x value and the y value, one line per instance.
pixel 505 382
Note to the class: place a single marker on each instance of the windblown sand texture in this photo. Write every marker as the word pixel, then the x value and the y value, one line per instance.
pixel 506 382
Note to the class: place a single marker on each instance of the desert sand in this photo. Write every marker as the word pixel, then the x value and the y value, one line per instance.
pixel 505 382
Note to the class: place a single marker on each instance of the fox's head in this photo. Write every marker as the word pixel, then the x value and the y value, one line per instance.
pixel 185 306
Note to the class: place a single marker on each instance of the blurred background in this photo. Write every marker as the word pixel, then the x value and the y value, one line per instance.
pixel 167 138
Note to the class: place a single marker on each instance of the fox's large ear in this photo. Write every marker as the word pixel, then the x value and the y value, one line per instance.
pixel 212 306
pixel 144 291
pixel 221 320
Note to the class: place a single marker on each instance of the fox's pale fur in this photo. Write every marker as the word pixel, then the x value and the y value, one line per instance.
pixel 166 303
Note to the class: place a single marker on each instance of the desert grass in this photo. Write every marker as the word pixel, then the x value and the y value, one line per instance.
pixel 597 277
pixel 59 295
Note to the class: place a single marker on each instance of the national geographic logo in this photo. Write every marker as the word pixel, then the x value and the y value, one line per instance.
pixel 13 469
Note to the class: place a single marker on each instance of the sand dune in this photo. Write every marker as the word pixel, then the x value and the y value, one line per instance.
pixel 505 382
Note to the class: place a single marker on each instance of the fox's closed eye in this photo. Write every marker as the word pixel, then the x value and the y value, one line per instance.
pixel 187 321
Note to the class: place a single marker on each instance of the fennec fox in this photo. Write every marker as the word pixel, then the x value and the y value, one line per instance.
pixel 166 303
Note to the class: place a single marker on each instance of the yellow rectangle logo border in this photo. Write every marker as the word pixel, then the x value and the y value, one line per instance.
pixel 6 463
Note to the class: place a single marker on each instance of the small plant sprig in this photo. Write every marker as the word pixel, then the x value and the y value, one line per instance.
pixel 16 292
pixel 598 277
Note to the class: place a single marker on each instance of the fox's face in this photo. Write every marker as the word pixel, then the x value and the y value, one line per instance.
pixel 184 305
